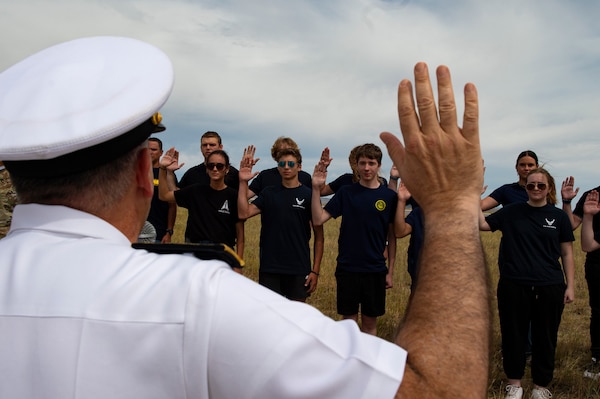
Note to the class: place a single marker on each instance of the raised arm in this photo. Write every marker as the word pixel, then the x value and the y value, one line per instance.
pixel 245 209
pixel 319 215
pixel 568 193
pixel 452 268
pixel 401 228
pixel 169 163
pixel 590 208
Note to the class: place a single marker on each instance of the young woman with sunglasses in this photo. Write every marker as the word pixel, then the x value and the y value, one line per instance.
pixel 536 237
pixel 513 192
pixel 212 209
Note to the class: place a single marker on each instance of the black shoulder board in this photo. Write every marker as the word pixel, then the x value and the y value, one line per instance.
pixel 205 251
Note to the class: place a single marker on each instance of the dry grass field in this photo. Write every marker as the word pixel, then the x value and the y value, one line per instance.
pixel 573 342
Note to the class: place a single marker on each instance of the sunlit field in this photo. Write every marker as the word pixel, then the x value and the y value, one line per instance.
pixel 573 340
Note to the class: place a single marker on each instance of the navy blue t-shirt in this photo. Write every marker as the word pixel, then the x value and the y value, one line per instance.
pixel 272 177
pixel 366 217
pixel 530 245
pixel 286 229
pixel 510 194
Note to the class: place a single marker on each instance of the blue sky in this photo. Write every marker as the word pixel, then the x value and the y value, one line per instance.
pixel 326 72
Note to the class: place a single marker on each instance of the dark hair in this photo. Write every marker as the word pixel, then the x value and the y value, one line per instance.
pixel 211 134
pixel 527 153
pixel 221 153
pixel 159 141
pixel 295 152
pixel 551 196
pixel 370 151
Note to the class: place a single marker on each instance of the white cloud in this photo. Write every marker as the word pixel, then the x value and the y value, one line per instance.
pixel 325 73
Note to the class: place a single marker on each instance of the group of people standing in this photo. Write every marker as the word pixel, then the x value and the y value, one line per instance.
pixel 288 199
pixel 535 260
pixel 537 270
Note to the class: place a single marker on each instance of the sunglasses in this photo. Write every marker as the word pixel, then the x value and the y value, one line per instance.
pixel 290 164
pixel 531 186
pixel 211 165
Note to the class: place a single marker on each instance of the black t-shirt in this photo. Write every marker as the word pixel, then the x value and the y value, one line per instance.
pixel 530 246
pixel 212 214
pixel 272 177
pixel 198 175
pixel 159 210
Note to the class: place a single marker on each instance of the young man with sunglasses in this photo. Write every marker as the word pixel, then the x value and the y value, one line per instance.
pixel 212 209
pixel 285 265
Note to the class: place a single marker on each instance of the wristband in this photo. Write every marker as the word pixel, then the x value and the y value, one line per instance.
pixel 312 271
pixel 169 231
pixel 566 201
pixel 394 178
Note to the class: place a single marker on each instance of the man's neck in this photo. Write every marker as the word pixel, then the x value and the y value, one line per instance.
pixel 291 183
pixel 372 183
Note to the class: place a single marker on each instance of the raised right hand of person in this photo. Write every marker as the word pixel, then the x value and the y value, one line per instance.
pixel 170 160
pixel 566 190
pixel 246 164
pixel 591 204
pixel 439 161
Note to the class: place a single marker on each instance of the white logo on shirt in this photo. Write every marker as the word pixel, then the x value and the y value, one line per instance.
pixel 299 203
pixel 225 207
pixel 549 223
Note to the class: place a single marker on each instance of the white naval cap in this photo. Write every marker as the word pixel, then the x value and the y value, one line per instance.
pixel 81 104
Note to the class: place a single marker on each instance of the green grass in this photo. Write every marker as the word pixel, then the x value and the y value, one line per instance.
pixel 573 339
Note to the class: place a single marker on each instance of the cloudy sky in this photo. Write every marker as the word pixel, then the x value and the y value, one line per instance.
pixel 325 72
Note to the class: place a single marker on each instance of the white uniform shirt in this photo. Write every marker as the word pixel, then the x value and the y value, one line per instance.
pixel 83 315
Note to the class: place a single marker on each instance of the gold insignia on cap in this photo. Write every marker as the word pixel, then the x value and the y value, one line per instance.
pixel 156 118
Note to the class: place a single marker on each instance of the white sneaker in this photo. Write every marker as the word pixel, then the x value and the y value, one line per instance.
pixel 513 392
pixel 540 393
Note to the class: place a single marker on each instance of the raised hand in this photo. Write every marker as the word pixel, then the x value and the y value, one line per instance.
pixel 566 190
pixel 246 164
pixel 170 160
pixel 435 149
pixel 591 205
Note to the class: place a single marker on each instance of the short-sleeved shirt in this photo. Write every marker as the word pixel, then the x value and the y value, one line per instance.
pixel 212 214
pixel 197 174
pixel 272 177
pixel 84 315
pixel 593 256
pixel 417 236
pixel 366 217
pixel 286 229
pixel 510 194
pixel 530 249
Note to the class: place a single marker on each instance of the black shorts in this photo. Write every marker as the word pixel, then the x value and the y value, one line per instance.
pixel 290 286
pixel 366 290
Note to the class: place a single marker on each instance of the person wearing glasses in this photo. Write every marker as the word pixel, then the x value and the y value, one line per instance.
pixel 285 264
pixel 536 237
pixel 367 209
pixel 212 209
pixel 271 176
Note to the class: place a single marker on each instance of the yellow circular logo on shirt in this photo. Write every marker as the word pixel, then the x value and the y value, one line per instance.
pixel 380 205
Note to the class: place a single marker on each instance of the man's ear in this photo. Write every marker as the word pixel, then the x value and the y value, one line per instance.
pixel 143 172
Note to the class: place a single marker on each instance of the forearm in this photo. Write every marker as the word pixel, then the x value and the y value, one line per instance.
pixel 451 266
pixel 401 228
pixel 575 220
pixel 319 248
pixel 391 250
pixel 243 205
pixel 166 188
pixel 316 208
pixel 240 239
